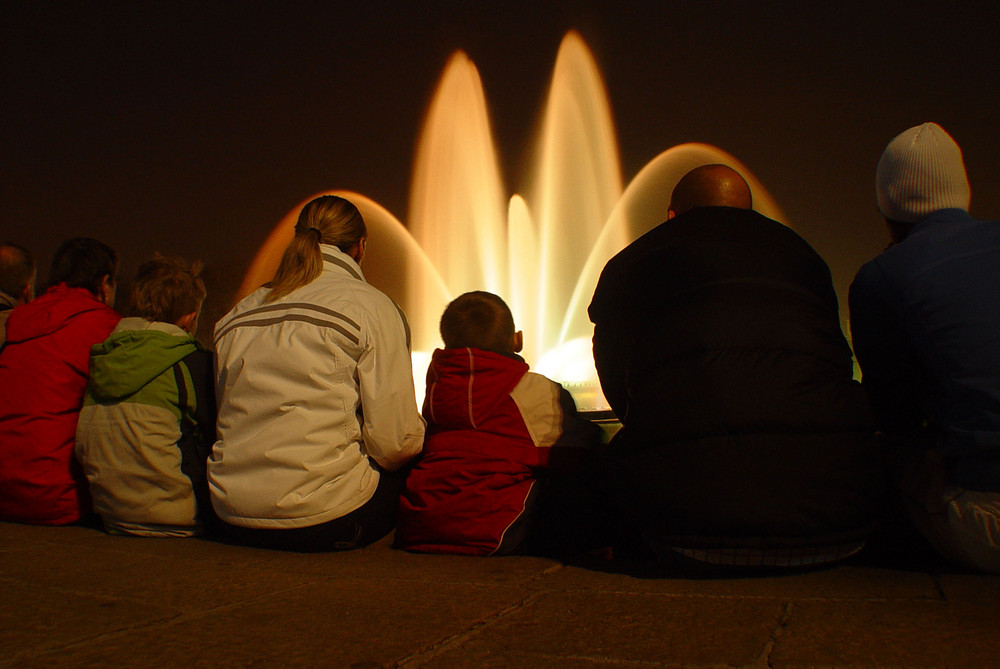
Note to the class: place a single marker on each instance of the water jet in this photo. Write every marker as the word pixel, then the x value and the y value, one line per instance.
pixel 542 251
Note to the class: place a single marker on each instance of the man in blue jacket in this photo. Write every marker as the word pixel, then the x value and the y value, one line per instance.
pixel 925 318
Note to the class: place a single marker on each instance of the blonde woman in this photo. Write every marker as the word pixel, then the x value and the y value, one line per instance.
pixel 316 400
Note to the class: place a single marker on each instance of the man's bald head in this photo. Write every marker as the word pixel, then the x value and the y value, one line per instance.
pixel 710 186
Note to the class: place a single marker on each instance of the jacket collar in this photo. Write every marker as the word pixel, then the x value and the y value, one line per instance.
pixel 947 215
pixel 335 260
pixel 6 301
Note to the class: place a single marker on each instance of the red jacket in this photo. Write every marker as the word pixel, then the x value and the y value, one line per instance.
pixel 43 375
pixel 491 425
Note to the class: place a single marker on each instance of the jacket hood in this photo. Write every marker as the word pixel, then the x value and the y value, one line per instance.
pixel 464 385
pixel 50 312
pixel 6 301
pixel 136 353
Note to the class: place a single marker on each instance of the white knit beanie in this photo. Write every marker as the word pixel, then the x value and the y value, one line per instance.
pixel 920 172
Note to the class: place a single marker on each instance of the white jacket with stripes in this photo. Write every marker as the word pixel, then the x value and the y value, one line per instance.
pixel 314 389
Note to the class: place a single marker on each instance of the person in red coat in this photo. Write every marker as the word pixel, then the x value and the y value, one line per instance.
pixel 43 375
pixel 493 429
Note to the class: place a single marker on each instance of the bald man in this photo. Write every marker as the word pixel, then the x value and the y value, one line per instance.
pixel 710 186
pixel 717 339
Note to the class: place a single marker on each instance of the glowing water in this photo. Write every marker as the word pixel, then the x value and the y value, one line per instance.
pixel 543 254
pixel 577 185
pixel 458 212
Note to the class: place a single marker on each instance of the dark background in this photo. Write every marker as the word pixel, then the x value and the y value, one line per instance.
pixel 192 128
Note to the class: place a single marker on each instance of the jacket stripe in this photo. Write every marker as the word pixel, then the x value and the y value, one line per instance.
pixel 244 319
pixel 283 306
pixel 472 377
pixel 302 318
pixel 333 260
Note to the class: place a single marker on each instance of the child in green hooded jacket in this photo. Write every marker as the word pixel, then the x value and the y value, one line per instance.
pixel 148 419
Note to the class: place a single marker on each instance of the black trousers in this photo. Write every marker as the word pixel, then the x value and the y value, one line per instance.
pixel 359 528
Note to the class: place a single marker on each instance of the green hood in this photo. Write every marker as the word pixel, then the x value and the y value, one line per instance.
pixel 136 353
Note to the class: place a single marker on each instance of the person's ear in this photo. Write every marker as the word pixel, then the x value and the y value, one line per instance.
pixel 358 251
pixel 106 291
pixel 188 322
pixel 671 214
pixel 28 294
pixel 518 341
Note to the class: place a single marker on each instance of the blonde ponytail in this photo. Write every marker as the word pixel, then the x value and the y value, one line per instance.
pixel 326 220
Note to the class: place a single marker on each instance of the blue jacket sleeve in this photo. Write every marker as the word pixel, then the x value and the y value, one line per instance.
pixel 890 372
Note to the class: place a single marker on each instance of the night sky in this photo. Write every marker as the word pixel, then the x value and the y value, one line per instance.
pixel 192 128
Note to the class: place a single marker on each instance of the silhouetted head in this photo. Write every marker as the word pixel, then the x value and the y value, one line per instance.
pixel 17 272
pixel 86 263
pixel 710 186
pixel 170 291
pixel 480 320
pixel 326 220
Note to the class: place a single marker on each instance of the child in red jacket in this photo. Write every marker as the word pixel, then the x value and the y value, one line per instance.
pixel 43 375
pixel 492 428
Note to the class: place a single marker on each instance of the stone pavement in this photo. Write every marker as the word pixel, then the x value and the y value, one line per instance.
pixel 73 596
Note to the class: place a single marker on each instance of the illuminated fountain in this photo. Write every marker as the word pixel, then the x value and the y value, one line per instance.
pixel 543 253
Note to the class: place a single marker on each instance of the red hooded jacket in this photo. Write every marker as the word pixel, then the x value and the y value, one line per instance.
pixel 43 375
pixel 491 426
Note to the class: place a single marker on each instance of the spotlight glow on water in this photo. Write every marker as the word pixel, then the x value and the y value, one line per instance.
pixel 543 252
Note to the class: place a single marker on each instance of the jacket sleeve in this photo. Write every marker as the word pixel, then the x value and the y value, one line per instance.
pixel 612 365
pixel 562 438
pixel 200 365
pixel 392 428
pixel 611 344
pixel 890 373
pixel 198 418
pixel 91 328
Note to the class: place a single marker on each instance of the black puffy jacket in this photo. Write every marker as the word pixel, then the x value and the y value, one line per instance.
pixel 719 346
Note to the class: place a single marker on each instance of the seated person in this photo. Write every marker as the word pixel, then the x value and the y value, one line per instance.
pixel 148 420
pixel 925 318
pixel 717 340
pixel 43 375
pixel 493 428
pixel 317 412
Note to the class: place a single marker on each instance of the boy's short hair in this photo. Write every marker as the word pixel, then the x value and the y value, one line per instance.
pixel 478 320
pixel 17 269
pixel 167 289
pixel 82 262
